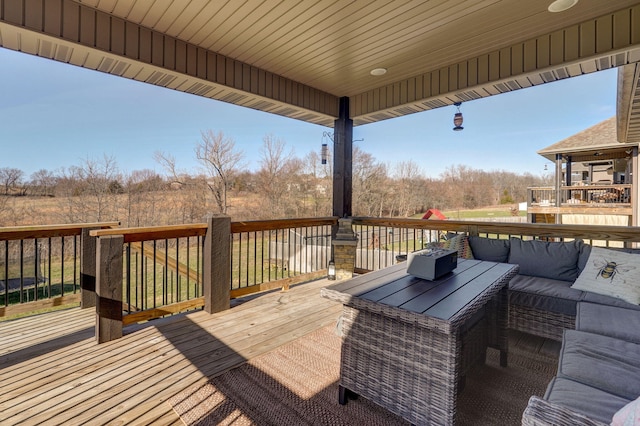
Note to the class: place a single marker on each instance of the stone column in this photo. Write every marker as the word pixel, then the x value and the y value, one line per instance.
pixel 344 249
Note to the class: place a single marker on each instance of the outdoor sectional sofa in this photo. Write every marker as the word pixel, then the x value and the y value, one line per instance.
pixel 587 297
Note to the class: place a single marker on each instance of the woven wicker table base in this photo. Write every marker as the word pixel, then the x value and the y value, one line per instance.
pixel 414 364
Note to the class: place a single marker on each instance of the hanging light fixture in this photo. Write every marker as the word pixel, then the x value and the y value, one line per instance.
pixel 457 118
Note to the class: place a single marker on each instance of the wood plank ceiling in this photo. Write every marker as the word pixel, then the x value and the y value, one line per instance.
pixel 296 57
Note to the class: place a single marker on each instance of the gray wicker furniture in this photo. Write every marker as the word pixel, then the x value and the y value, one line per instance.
pixel 598 370
pixel 408 342
pixel 541 300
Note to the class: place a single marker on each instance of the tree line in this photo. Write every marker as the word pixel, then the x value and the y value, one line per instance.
pixel 283 186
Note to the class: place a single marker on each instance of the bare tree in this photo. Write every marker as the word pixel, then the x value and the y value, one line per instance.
pixel 43 182
pixel 91 190
pixel 10 179
pixel 221 162
pixel 274 176
pixel 319 184
pixel 144 194
pixel 370 184
pixel 406 188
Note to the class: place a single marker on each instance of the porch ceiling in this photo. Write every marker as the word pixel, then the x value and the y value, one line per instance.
pixel 297 58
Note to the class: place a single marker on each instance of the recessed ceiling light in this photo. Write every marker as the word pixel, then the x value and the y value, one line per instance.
pixel 378 71
pixel 561 5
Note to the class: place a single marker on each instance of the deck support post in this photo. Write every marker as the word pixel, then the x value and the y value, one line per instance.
pixel 344 249
pixel 558 185
pixel 109 288
pixel 635 188
pixel 87 269
pixel 217 264
pixel 342 162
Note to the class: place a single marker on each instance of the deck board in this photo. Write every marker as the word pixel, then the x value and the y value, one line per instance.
pixel 53 372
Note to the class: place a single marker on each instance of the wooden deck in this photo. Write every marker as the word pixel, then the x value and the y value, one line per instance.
pixel 53 372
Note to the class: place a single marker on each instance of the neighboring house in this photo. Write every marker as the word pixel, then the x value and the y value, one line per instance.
pixel 594 180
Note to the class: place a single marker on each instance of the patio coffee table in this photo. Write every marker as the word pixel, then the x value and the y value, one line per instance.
pixel 408 342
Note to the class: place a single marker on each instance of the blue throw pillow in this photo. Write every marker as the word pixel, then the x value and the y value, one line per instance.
pixel 546 259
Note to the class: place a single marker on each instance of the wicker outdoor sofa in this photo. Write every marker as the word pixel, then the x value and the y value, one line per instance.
pixel 542 300
pixel 588 298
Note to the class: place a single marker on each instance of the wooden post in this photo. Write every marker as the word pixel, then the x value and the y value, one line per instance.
pixel 558 185
pixel 342 162
pixel 558 179
pixel 217 264
pixel 344 249
pixel 109 288
pixel 635 187
pixel 87 269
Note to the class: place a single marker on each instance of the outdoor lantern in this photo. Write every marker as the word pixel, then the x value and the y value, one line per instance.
pixel 457 118
pixel 324 153
pixel 332 270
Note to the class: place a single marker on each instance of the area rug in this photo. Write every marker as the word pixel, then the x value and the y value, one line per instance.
pixel 297 384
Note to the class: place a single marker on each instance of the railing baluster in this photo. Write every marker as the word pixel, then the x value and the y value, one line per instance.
pixel 153 265
pixel 128 276
pixel 36 263
pixel 49 265
pixel 6 273
pixel 22 272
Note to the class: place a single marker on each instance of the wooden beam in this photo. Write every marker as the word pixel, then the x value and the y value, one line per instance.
pixel 174 308
pixel 342 161
pixel 50 231
pixel 22 308
pixel 283 284
pixel 635 183
pixel 109 288
pixel 87 269
pixel 172 263
pixel 216 264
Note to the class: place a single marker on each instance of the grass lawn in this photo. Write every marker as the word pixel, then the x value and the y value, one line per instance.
pixel 472 214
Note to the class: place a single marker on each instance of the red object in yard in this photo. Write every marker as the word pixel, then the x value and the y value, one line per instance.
pixel 435 213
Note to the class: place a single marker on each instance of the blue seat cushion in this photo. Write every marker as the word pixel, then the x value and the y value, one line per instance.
pixel 601 299
pixel 544 294
pixel 609 320
pixel 609 364
pixel 592 402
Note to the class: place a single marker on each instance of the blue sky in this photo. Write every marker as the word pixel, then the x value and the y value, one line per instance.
pixel 54 115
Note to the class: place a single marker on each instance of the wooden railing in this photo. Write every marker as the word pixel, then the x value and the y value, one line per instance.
pixel 601 195
pixel 144 273
pixel 397 237
pixel 278 253
pixel 175 268
pixel 41 267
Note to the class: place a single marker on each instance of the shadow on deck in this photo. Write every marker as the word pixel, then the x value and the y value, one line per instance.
pixel 53 372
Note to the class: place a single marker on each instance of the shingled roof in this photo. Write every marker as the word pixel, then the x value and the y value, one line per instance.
pixel 597 142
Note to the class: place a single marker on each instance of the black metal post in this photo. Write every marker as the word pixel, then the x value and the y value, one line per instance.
pixel 342 161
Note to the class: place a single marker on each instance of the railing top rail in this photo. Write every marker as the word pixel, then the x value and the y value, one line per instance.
pixel 597 186
pixel 592 232
pixel 269 225
pixel 199 229
pixel 47 231
pixel 154 232
pixel 585 187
